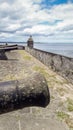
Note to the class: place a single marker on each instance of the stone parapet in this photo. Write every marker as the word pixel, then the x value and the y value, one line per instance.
pixel 59 63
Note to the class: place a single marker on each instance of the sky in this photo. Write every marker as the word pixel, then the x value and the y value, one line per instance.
pixel 46 20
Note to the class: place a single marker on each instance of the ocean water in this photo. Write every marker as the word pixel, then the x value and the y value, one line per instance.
pixel 65 49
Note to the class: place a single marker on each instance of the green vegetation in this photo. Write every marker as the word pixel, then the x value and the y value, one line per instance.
pixel 27 57
pixel 41 70
pixel 64 116
pixel 52 97
pixel 10 77
pixel 51 78
pixel 70 104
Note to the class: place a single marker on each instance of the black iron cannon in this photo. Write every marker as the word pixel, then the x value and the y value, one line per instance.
pixel 8 47
pixel 30 91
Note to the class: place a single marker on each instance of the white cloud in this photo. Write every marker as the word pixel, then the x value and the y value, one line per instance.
pixel 5 35
pixel 19 18
pixel 12 27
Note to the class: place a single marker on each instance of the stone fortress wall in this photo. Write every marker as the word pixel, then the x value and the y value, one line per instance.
pixel 61 64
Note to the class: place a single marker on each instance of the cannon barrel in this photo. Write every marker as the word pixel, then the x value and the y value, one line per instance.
pixel 30 91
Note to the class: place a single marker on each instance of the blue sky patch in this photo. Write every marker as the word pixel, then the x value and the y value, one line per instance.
pixel 53 2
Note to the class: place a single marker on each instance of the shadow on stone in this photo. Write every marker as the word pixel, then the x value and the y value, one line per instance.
pixel 3 55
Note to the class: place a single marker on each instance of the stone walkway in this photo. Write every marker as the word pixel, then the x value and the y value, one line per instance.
pixel 58 115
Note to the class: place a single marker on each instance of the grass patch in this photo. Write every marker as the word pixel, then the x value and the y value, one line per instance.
pixel 62 115
pixel 41 70
pixel 52 97
pixel 27 57
pixel 70 105
pixel 10 77
pixel 51 79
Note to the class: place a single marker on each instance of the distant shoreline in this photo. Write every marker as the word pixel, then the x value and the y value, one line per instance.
pixel 57 48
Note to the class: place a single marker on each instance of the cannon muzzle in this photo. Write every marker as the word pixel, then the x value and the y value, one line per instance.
pixel 30 91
